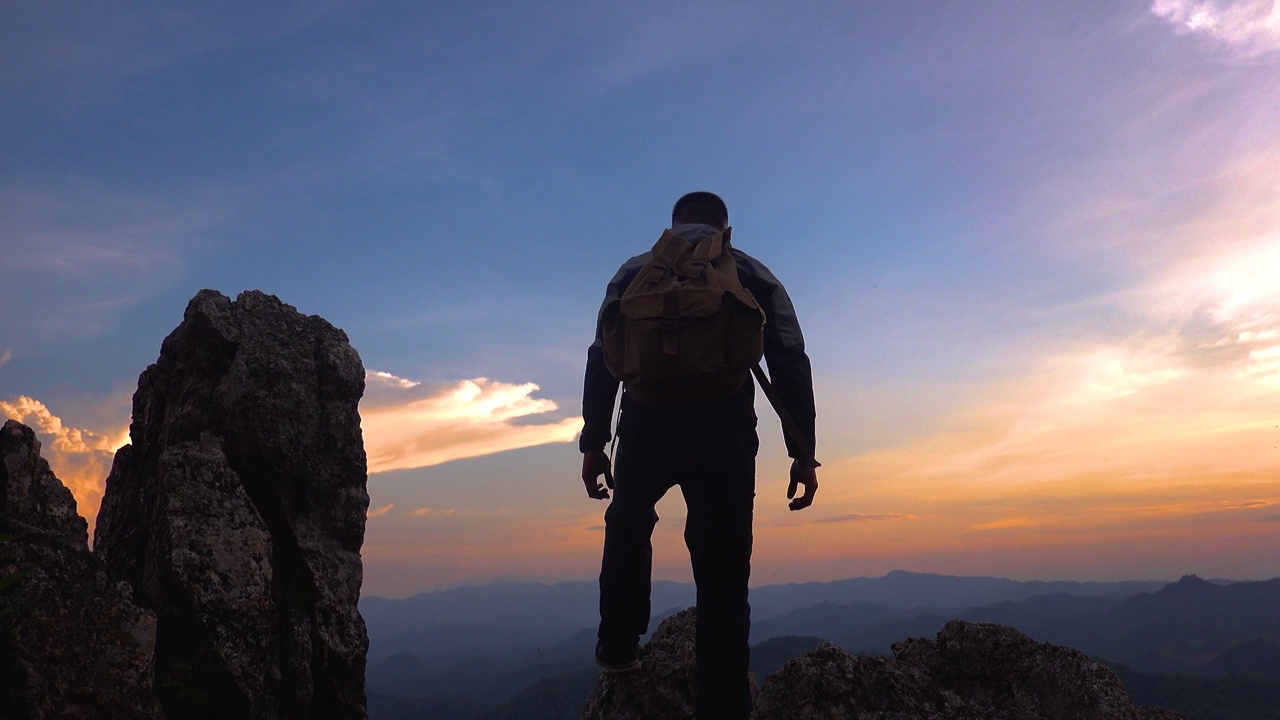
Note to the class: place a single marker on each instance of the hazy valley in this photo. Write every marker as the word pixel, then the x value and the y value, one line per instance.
pixel 1209 649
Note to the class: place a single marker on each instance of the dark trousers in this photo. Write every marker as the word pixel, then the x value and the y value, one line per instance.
pixel 712 460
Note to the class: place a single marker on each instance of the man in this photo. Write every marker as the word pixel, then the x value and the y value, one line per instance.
pixel 707 448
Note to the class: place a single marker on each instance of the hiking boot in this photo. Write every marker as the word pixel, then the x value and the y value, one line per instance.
pixel 617 662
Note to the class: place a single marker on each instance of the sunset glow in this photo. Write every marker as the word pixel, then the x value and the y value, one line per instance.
pixel 1035 248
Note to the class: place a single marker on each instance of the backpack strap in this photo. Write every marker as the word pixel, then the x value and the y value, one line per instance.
pixel 789 427
pixel 671 322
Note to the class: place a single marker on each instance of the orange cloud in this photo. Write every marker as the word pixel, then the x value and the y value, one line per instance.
pixel 80 458
pixel 1154 448
pixel 406 426
pixel 379 512
pixel 425 511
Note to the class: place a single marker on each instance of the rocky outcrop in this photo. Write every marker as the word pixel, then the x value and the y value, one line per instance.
pixel 72 644
pixel 970 671
pixel 662 688
pixel 237 514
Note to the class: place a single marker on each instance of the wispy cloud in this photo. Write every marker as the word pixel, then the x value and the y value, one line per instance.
pixel 80 458
pixel 76 254
pixel 5 357
pixel 791 520
pixel 1154 430
pixel 1251 27
pixel 390 380
pixel 436 512
pixel 379 512
pixel 864 518
pixel 1006 524
pixel 408 426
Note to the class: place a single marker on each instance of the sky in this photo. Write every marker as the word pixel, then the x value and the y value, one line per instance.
pixel 1035 249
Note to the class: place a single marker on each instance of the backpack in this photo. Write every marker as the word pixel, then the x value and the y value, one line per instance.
pixel 685 330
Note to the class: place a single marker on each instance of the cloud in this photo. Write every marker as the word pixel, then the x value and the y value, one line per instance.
pixel 1153 428
pixel 407 425
pixel 1006 524
pixel 80 458
pixel 379 512
pixel 425 511
pixel 854 517
pixel 1251 27
pixel 386 378
pixel 78 254
pixel 5 357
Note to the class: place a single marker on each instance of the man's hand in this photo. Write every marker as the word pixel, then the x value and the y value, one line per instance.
pixel 594 464
pixel 801 474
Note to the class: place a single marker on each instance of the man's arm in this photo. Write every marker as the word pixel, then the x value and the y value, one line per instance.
pixel 790 371
pixel 599 392
pixel 784 352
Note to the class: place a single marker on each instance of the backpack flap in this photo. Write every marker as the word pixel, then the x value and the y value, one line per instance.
pixel 685 330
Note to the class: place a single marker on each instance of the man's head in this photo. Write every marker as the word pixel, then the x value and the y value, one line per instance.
pixel 703 208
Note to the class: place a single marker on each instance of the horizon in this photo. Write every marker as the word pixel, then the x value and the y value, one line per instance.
pixel 1035 250
pixel 482 584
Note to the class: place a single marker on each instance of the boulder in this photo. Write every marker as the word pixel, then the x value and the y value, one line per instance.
pixel 238 513
pixel 661 688
pixel 72 644
pixel 970 671
pixel 33 501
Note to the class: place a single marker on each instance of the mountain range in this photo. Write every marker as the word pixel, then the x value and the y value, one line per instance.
pixel 524 649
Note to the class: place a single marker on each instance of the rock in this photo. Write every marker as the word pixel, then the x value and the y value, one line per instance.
pixel 72 644
pixel 661 688
pixel 32 500
pixel 830 683
pixel 238 513
pixel 971 671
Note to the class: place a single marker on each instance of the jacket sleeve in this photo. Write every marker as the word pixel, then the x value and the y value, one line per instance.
pixel 784 353
pixel 600 387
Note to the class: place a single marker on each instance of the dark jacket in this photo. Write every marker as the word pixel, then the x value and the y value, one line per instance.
pixel 784 354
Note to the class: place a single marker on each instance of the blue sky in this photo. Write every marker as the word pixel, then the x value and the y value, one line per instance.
pixel 1033 245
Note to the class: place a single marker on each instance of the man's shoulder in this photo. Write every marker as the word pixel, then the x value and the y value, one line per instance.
pixel 752 269
pixel 632 266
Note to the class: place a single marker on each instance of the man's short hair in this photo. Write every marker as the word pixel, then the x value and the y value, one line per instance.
pixel 700 207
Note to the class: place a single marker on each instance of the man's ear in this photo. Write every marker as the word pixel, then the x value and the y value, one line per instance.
pixel 728 232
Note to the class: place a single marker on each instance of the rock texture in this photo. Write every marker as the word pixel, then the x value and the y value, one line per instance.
pixel 237 514
pixel 971 671
pixel 72 644
pixel 662 688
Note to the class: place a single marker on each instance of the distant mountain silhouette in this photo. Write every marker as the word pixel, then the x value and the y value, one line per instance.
pixel 515 663
pixel 574 604
pixel 1177 629
pixel 1259 657
pixel 1181 626
pixel 1199 698
pixel 571 605
pixel 911 590
pixel 768 656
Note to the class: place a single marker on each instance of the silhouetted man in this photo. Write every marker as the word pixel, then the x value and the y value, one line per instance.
pixel 708 449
